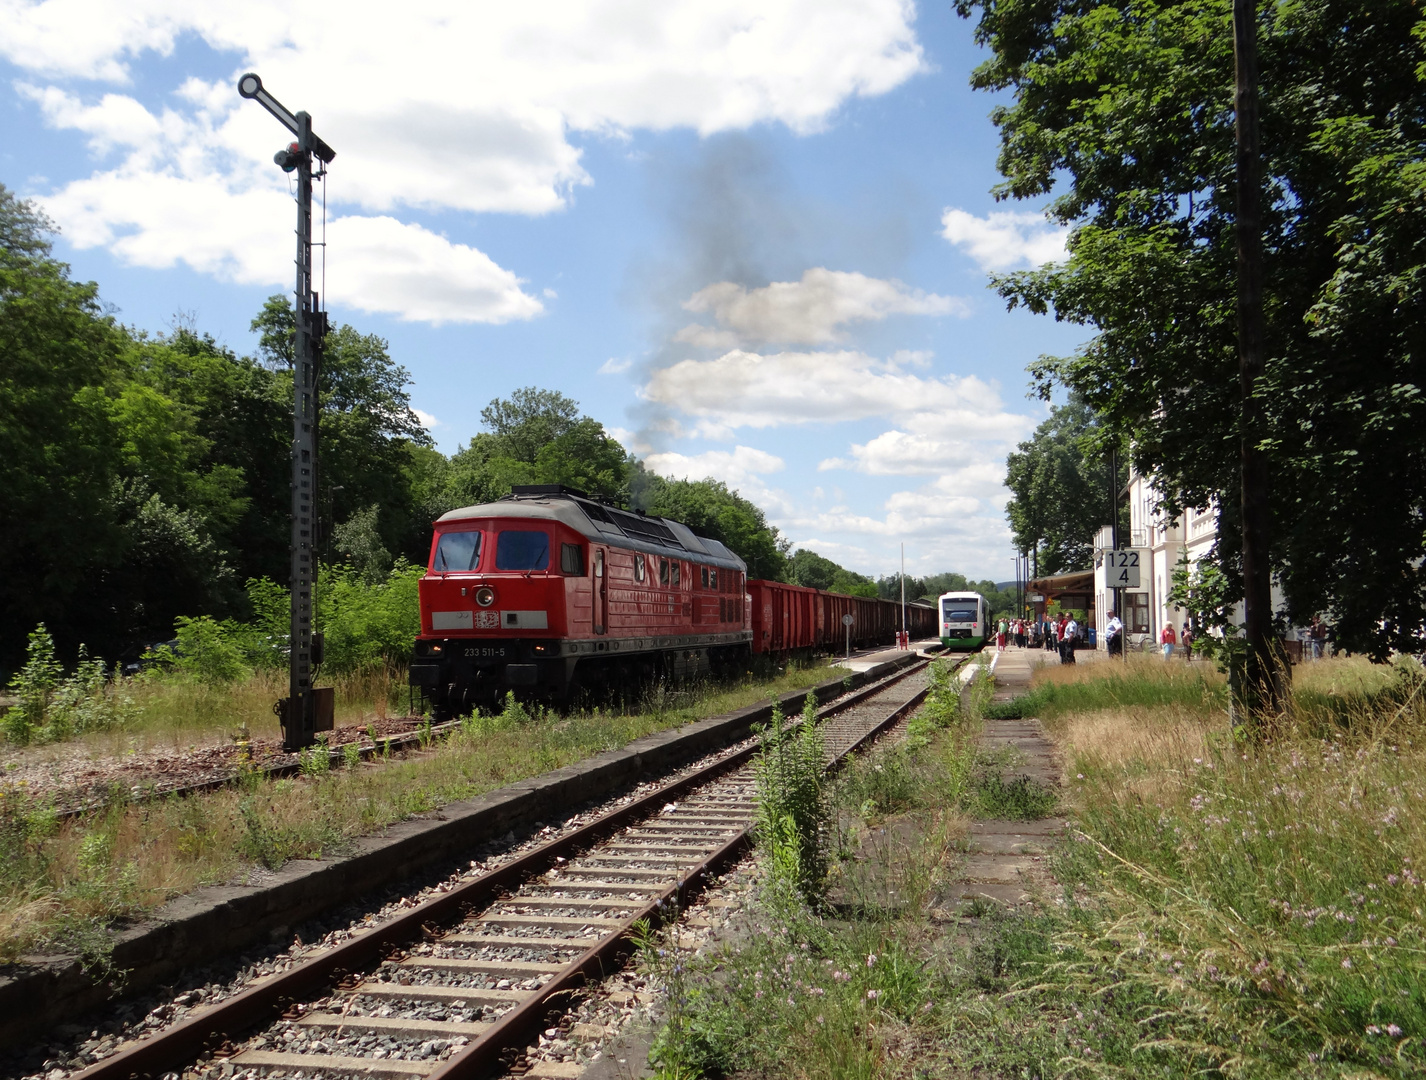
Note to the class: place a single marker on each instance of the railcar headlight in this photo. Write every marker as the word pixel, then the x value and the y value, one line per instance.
pixel 485 596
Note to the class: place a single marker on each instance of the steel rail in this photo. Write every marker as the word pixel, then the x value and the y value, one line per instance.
pixel 209 1030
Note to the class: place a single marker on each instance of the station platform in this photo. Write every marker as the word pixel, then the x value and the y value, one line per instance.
pixel 862 659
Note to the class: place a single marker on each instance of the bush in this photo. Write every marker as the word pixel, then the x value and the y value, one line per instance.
pixel 368 625
pixel 53 706
pixel 207 652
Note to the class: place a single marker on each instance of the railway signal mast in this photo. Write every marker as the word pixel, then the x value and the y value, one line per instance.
pixel 300 713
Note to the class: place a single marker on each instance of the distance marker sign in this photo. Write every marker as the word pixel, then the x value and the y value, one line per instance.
pixel 1121 569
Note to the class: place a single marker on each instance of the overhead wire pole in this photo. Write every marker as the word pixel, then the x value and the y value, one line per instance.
pixel 299 711
pixel 1262 688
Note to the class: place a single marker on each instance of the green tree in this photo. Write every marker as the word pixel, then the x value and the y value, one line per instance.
pixel 808 568
pixel 1128 106
pixel 368 430
pixel 536 437
pixel 1059 480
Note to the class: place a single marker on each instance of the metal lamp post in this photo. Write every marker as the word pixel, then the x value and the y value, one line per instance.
pixel 300 712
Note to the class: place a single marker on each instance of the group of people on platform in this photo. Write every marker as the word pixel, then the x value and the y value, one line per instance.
pixel 1060 635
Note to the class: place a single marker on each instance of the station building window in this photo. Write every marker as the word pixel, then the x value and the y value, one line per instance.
pixel 1137 612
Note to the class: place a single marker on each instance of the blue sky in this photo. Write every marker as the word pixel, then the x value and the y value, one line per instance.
pixel 750 238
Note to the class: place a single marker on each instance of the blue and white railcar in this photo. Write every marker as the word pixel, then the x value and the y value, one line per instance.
pixel 965 620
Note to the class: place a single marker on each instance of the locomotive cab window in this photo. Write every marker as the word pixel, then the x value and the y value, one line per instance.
pixel 639 571
pixel 677 574
pixel 663 571
pixel 572 559
pixel 713 579
pixel 705 577
pixel 522 549
pixel 455 552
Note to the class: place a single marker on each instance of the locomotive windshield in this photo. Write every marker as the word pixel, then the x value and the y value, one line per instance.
pixel 958 611
pixel 522 549
pixel 457 551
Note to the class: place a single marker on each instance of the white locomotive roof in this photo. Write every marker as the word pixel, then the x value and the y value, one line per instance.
pixel 608 524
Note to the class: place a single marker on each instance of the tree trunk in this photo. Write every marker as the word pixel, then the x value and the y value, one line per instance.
pixel 1263 686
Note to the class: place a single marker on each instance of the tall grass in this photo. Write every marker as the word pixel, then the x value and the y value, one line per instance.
pixel 1232 911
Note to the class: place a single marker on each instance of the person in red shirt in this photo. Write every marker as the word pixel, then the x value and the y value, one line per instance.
pixel 1168 639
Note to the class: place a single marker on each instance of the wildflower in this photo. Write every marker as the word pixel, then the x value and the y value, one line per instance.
pixel 820 1019
pixel 872 995
pixel 1347 963
pixel 1393 1030
pixel 1391 941
pixel 757 995
pixel 927 1007
pixel 1372 1029
pixel 790 1002
pixel 871 960
pixel 1392 879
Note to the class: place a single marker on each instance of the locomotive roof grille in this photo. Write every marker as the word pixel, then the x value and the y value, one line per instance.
pixel 645 528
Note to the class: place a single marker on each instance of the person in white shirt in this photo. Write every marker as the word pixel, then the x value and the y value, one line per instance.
pixel 1067 642
pixel 1115 631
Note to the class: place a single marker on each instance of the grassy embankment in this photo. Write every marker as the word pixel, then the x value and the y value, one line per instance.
pixel 61 884
pixel 1224 910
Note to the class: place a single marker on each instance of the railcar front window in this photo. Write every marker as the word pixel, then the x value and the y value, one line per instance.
pixel 456 551
pixel 958 614
pixel 522 549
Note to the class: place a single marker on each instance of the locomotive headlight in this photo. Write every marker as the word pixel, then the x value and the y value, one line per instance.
pixel 485 596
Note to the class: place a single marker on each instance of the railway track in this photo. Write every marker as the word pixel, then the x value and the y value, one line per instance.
pixel 457 986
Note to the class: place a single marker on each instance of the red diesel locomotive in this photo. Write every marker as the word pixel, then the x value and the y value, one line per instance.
pixel 548 591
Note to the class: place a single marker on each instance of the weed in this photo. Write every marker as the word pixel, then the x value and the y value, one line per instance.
pixel 793 812
pixel 1020 799
pixel 316 759
pixel 351 755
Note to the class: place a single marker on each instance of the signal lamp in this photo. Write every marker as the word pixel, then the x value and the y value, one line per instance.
pixel 288 159
pixel 485 596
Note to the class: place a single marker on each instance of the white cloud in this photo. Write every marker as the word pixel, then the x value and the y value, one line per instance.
pixel 428 420
pixel 406 270
pixel 807 312
pixel 615 366
pixel 745 389
pixel 1004 239
pixel 956 522
pixel 446 105
pixel 158 220
pixel 733 467
pixel 937 444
